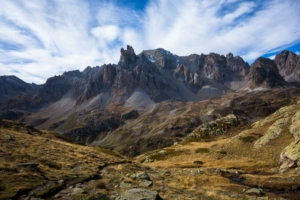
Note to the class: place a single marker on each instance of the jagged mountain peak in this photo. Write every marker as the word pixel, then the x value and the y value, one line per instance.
pixel 128 57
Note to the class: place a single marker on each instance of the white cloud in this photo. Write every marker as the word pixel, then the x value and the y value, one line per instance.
pixel 39 39
pixel 297 52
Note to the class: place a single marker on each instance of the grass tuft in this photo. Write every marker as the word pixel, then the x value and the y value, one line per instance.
pixel 109 152
pixel 50 163
pixel 247 139
pixel 167 154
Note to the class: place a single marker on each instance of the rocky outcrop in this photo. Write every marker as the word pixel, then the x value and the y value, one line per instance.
pixel 274 131
pixel 288 64
pixel 295 126
pixel 214 128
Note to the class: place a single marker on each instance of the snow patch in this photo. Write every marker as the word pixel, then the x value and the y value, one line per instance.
pixel 151 59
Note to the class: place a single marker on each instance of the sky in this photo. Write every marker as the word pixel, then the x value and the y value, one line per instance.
pixel 43 38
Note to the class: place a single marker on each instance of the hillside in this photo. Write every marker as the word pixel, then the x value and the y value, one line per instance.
pixel 264 156
pixel 40 163
pixel 260 161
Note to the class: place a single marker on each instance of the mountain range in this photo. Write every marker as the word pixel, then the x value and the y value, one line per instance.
pixel 116 104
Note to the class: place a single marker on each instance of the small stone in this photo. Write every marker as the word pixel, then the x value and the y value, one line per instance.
pixel 77 191
pixel 197 162
pixel 141 175
pixel 8 136
pixel 294 187
pixel 146 183
pixel 57 196
pixel 167 173
pixel 125 185
pixel 61 181
pixel 256 191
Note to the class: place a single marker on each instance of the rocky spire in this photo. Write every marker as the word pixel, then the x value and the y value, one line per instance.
pixel 128 57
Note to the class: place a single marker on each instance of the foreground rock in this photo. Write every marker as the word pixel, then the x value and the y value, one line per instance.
pixel 139 194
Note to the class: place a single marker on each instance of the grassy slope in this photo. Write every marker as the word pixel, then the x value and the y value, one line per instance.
pixel 235 151
pixel 57 159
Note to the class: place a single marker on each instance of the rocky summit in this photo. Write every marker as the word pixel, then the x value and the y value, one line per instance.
pixel 154 126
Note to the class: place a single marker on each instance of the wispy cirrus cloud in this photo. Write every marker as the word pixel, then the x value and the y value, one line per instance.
pixel 39 39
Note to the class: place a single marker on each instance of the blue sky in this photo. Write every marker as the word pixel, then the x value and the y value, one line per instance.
pixel 43 38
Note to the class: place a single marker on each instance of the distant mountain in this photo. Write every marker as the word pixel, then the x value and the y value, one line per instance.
pixel 11 86
pixel 264 74
pixel 89 105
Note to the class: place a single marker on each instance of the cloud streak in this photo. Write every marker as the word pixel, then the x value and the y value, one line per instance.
pixel 39 39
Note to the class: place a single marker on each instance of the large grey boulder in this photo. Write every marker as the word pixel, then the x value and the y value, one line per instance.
pixel 139 194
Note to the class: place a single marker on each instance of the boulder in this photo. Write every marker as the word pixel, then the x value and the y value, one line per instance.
pixel 125 185
pixel 139 194
pixel 77 191
pixel 146 183
pixel 141 175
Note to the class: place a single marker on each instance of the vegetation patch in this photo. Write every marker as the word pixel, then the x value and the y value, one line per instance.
pixel 109 152
pixel 202 150
pixel 189 140
pixel 167 153
pixel 223 152
pixel 62 137
pixel 100 185
pixel 247 139
pixel 50 163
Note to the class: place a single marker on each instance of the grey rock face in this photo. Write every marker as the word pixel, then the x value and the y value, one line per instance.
pixel 288 64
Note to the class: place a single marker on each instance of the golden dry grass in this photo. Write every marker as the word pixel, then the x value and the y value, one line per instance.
pixel 236 152
pixel 57 159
